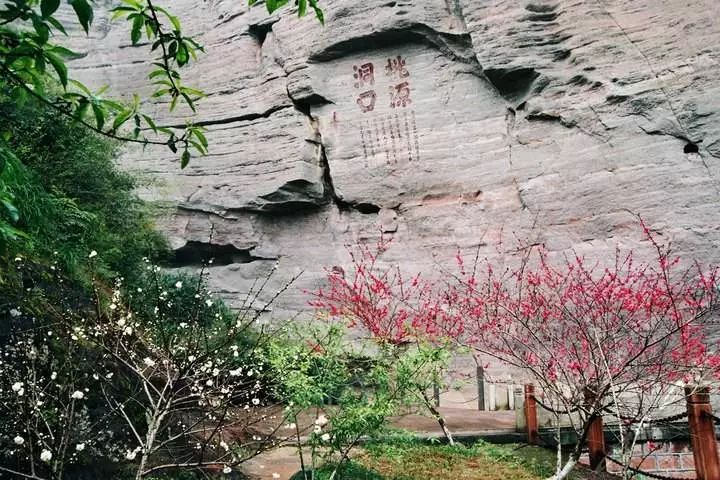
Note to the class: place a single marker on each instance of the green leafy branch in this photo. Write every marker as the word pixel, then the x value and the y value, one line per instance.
pixel 26 52
pixel 302 6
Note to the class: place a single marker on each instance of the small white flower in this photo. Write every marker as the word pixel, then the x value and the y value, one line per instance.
pixel 113 306
pixel 130 454
pixel 317 429
pixel 149 361
pixel 224 445
pixel 17 386
pixel 256 401
pixel 92 254
pixel 208 302
pixel 18 259
pixel 321 421
pixel 77 395
pixel 192 358
pixel 178 285
pixel 14 312
pixel 45 455
pixel 236 373
pixel 139 290
pixel 227 470
pixel 80 447
pixel 325 437
pixel 19 440
pixel 128 331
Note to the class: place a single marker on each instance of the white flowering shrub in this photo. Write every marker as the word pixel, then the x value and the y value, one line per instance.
pixel 150 391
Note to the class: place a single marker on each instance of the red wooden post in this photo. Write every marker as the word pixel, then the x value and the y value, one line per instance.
pixel 596 437
pixel 596 444
pixel 702 434
pixel 531 421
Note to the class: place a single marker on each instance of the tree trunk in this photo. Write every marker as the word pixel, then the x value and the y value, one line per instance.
pixel 567 468
pixel 441 421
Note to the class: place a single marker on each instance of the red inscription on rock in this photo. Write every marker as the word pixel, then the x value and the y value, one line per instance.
pixel 366 101
pixel 400 95
pixel 364 74
pixel 396 67
pixel 399 139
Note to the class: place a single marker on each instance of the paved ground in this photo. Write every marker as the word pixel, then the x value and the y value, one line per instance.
pixel 284 461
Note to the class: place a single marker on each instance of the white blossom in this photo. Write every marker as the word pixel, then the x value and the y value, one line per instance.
pixel 130 454
pixel 78 395
pixel 321 421
pixel 256 401
pixel 227 470
pixel 92 254
pixel 149 361
pixel 208 302
pixel 80 447
pixel 17 386
pixel 14 312
pixel 178 285
pixel 45 455
pixel 19 440
pixel 325 437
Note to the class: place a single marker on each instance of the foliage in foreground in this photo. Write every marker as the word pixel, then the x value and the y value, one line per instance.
pixel 99 389
pixel 350 386
pixel 411 459
pixel 69 197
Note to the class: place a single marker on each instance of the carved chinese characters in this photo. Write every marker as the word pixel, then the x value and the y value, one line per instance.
pixel 391 137
pixel 365 77
pixel 399 92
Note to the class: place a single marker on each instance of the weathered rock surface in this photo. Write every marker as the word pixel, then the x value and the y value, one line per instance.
pixel 556 121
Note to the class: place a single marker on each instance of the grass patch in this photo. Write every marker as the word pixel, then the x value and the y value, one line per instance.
pixel 418 460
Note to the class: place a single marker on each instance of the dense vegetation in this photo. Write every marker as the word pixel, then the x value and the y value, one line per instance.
pixel 69 197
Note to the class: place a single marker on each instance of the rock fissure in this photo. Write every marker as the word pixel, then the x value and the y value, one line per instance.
pixel 239 118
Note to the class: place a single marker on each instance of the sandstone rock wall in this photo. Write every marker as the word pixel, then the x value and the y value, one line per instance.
pixel 447 124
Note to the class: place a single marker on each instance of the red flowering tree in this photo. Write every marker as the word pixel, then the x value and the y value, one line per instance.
pixel 595 338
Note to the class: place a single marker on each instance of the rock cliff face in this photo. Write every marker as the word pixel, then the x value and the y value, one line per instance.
pixel 446 124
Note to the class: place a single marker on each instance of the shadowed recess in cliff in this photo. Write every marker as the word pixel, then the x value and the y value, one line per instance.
pixel 516 85
pixel 196 253
pixel 457 47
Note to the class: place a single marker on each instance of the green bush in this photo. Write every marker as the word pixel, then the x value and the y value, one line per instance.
pixel 68 194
